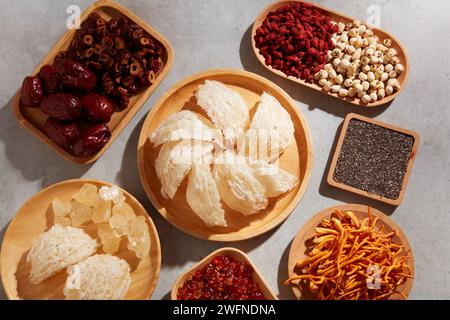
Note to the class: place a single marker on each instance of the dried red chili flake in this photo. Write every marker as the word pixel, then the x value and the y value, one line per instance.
pixel 295 39
pixel 221 279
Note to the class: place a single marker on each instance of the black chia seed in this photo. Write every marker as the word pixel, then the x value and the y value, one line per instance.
pixel 373 159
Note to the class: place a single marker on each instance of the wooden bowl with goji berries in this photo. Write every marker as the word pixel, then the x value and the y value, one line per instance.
pixel 330 52
pixel 93 81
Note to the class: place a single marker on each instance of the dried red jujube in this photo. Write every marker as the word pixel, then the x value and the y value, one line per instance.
pixel 60 133
pixel 51 78
pixel 32 91
pixel 77 76
pixel 62 106
pixel 295 39
pixel 97 107
pixel 91 141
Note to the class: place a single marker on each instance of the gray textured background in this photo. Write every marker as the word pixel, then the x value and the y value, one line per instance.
pixel 214 34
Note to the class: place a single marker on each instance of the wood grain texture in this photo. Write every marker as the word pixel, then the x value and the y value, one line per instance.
pixel 332 182
pixel 33 118
pixel 298 247
pixel 336 17
pixel 297 159
pixel 34 218
pixel 237 255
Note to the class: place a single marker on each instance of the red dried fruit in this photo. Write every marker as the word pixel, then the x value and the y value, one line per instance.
pixel 221 279
pixel 32 92
pixel 62 106
pixel 77 76
pixel 295 39
pixel 91 141
pixel 51 78
pixel 98 107
pixel 61 134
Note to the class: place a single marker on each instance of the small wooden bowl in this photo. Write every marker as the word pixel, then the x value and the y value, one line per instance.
pixel 332 182
pixel 297 159
pixel 237 255
pixel 298 247
pixel 336 17
pixel 34 218
pixel 33 118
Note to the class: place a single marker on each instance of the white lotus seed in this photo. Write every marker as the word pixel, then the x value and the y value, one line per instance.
pixel 336 62
pixel 335 88
pixel 323 74
pixel 323 82
pixel 389 90
pixel 369 52
pixel 359 88
pixel 351 92
pixel 370 76
pixel 373 96
pixel 399 68
pixel 348 82
pixel 365 85
pixel 393 74
pixel 381 93
pixel 366 98
pixel 374 59
pixel 345 63
pixel 336 52
pixel 343 92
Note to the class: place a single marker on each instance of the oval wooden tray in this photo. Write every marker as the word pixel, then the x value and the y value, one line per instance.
pixel 298 247
pixel 336 17
pixel 33 118
pixel 34 218
pixel 237 255
pixel 297 159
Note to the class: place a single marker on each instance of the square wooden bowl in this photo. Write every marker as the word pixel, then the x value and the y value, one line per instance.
pixel 237 255
pixel 332 182
pixel 33 118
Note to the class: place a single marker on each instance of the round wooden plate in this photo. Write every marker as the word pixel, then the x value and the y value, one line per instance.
pixel 34 218
pixel 298 247
pixel 336 17
pixel 297 159
pixel 237 255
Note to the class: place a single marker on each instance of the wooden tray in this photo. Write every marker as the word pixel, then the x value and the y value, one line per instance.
pixel 298 247
pixel 345 187
pixel 33 118
pixel 337 17
pixel 34 218
pixel 237 255
pixel 297 159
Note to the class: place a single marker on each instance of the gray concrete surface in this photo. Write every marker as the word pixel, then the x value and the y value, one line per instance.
pixel 214 34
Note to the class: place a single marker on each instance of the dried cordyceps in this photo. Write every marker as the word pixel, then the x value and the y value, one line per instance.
pixel 221 279
pixel 120 52
pixel 295 39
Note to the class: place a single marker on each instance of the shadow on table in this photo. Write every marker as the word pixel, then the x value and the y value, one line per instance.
pixel 347 197
pixel 285 292
pixel 312 98
pixel 30 156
